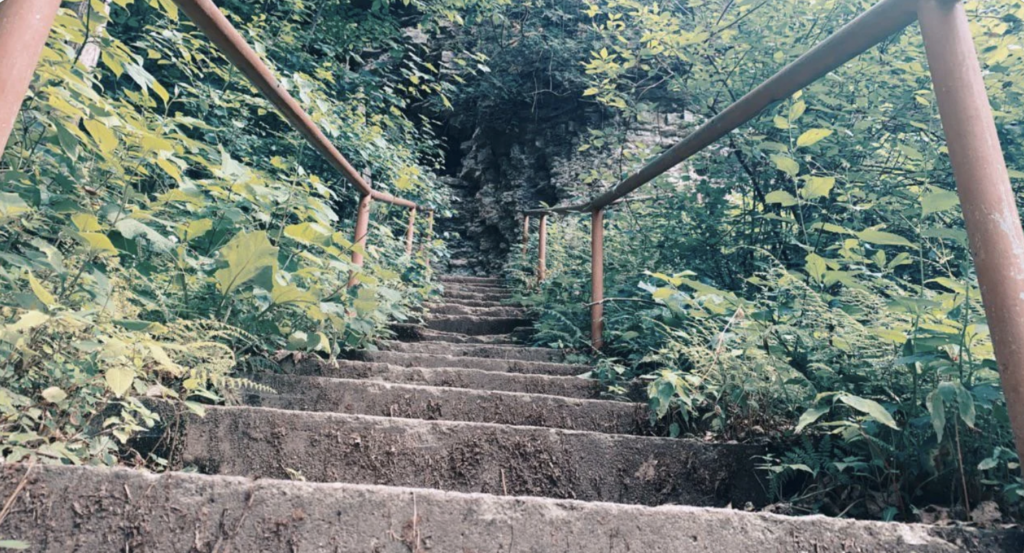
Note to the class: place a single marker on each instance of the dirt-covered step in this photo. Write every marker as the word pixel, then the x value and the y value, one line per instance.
pixel 418 333
pixel 487 281
pixel 428 360
pixel 462 456
pixel 362 397
pixel 475 326
pixel 474 303
pixel 521 353
pixel 137 511
pixel 476 296
pixel 564 386
pixel 490 311
pixel 478 289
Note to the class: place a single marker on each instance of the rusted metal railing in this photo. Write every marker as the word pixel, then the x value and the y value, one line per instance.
pixel 988 202
pixel 25 25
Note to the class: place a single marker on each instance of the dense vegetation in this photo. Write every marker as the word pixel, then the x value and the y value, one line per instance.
pixel 805 282
pixel 162 224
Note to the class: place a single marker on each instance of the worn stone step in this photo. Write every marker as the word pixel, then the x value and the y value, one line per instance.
pixel 475 326
pixel 477 288
pixel 417 333
pixel 476 296
pixel 473 303
pixel 486 281
pixel 565 386
pixel 462 456
pixel 502 311
pixel 362 397
pixel 428 360
pixel 131 510
pixel 522 353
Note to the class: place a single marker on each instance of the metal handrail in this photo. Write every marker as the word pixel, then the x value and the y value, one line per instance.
pixel 870 28
pixel 983 182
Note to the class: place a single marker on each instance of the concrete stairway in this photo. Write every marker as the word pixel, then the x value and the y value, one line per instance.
pixel 452 438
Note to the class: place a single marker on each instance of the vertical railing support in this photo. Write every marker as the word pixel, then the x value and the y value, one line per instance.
pixel 526 234
pixel 362 229
pixel 410 232
pixel 597 279
pixel 988 202
pixel 542 249
pixel 24 27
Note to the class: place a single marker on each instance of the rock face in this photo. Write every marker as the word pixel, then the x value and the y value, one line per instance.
pixel 442 441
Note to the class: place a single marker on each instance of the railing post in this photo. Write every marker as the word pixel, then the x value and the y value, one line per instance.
pixel 410 232
pixel 988 202
pixel 597 279
pixel 24 27
pixel 362 229
pixel 542 255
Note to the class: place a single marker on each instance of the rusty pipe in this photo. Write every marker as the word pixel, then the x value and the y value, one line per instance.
pixel 362 229
pixel 873 26
pixel 410 232
pixel 24 28
pixel 597 279
pixel 216 27
pixel 987 199
pixel 542 249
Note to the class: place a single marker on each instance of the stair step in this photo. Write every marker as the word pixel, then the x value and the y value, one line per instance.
pixel 417 333
pixel 473 303
pixel 521 353
pixel 475 326
pixel 478 288
pixel 427 360
pixel 151 512
pixel 495 281
pixel 564 386
pixel 360 397
pixel 464 456
pixel 476 296
pixel 489 311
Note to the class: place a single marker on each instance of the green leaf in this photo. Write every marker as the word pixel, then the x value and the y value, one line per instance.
pixel 810 417
pixel 797 110
pixel 54 395
pixel 884 238
pixel 98 242
pixel 290 294
pixel 663 293
pixel 11 205
pixel 786 164
pixel 119 380
pixel 194 229
pixel 938 412
pixel 101 133
pixel 16 545
pixel 816 267
pixel 965 402
pixel 781 197
pixel 246 255
pixel 812 137
pixel 308 233
pixel 817 187
pixel 871 408
pixel 988 464
pixel 939 201
pixel 41 293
